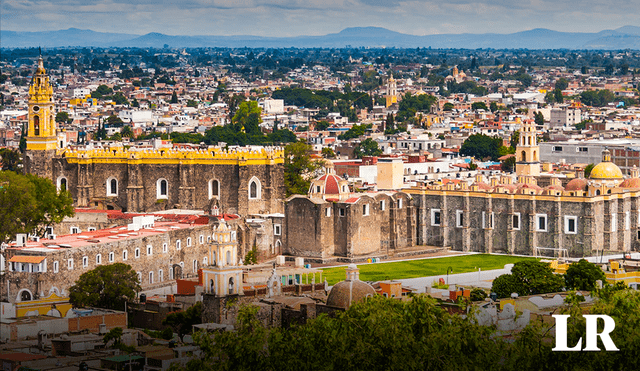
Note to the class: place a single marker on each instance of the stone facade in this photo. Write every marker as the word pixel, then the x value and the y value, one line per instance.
pixel 361 225
pixel 160 255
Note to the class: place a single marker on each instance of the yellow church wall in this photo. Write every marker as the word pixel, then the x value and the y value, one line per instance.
pixel 43 306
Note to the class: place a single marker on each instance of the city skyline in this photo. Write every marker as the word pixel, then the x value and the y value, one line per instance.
pixel 286 18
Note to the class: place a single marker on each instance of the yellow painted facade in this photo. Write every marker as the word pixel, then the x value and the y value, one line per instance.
pixel 44 306
pixel 41 131
pixel 616 273
pixel 121 155
pixel 527 151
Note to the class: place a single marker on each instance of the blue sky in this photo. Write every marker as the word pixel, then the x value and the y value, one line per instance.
pixel 316 17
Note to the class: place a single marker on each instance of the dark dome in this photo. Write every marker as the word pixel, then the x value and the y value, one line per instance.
pixel 345 293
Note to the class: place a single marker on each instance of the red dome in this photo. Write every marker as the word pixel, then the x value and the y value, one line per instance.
pixel 630 183
pixel 331 186
pixel 578 184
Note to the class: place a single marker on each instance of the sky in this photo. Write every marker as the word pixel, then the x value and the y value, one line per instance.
pixel 316 17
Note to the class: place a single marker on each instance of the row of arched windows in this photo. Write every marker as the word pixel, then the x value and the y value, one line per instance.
pixel 162 188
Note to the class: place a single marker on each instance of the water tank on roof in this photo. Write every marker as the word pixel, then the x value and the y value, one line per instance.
pixel 143 298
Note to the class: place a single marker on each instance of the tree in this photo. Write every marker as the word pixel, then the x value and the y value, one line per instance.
pixel 528 277
pixel 63 117
pixel 114 334
pixel 583 276
pixel 192 103
pixel 481 146
pixel 328 152
pixel 10 160
pixel 101 91
pixel 587 170
pixel 174 98
pixel 247 118
pixel 515 138
pixel 127 132
pixel 479 106
pixel 182 322
pixel 562 83
pixel 30 204
pixel 509 164
pixel 367 147
pixel 298 167
pixel 493 106
pixel 539 118
pixel 252 256
pixel 354 132
pixel 557 96
pixel 322 125
pixel 447 107
pixel 106 286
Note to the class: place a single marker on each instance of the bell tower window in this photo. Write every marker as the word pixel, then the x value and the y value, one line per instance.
pixel 36 125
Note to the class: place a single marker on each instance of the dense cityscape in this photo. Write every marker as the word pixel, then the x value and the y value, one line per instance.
pixel 207 208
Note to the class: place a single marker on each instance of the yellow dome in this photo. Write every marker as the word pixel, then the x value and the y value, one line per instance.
pixel 606 170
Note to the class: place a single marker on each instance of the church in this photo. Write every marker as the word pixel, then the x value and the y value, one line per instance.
pixel 507 213
pixel 239 181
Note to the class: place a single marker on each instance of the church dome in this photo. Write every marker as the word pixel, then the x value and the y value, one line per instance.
pixel 329 186
pixel 630 183
pixel 345 293
pixel 606 170
pixel 578 184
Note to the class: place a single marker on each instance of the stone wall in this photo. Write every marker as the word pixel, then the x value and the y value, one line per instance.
pixel 187 186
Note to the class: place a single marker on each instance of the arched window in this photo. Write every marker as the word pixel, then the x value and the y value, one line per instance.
pixel 524 156
pixel 195 266
pixel 255 189
pixel 162 188
pixel 36 125
pixel 25 295
pixel 112 186
pixel 228 262
pixel 212 287
pixel 62 183
pixel 205 261
pixel 213 258
pixel 214 189
pixel 230 285
pixel 535 156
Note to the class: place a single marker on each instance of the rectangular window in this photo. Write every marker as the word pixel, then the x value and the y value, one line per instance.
pixel 125 254
pixel 277 229
pixel 137 253
pixel 327 211
pixel 570 224
pixel 557 149
pixel 382 205
pixel 70 264
pixel 541 222
pixel 161 275
pixel 487 220
pixel 515 218
pixel 342 211
pixel 91 229
pixel 435 217
pixel 85 262
pixel 365 210
pixel 188 241
pixel 583 149
pixel 74 230
pixel 55 267
pixel 165 248
pixel 614 222
pixel 459 218
pixel 111 257
pixel 150 277
pixel 178 245
pixel 149 250
pixel 400 203
pixel 627 220
pixel 201 239
pixel 99 259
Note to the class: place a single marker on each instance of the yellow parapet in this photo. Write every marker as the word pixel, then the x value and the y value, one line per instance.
pixel 121 155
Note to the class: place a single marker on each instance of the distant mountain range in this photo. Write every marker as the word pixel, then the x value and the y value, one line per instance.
pixel 627 37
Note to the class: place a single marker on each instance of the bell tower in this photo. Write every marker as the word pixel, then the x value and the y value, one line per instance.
pixel 527 151
pixel 41 131
pixel 392 92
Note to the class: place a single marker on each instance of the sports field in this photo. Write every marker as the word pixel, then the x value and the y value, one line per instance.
pixel 423 267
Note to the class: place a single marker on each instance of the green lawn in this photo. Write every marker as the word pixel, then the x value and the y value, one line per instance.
pixel 423 267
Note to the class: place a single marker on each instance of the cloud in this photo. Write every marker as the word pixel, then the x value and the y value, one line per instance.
pixel 315 17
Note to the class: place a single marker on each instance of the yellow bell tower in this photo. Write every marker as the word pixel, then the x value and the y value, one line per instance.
pixel 392 92
pixel 41 132
pixel 527 151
